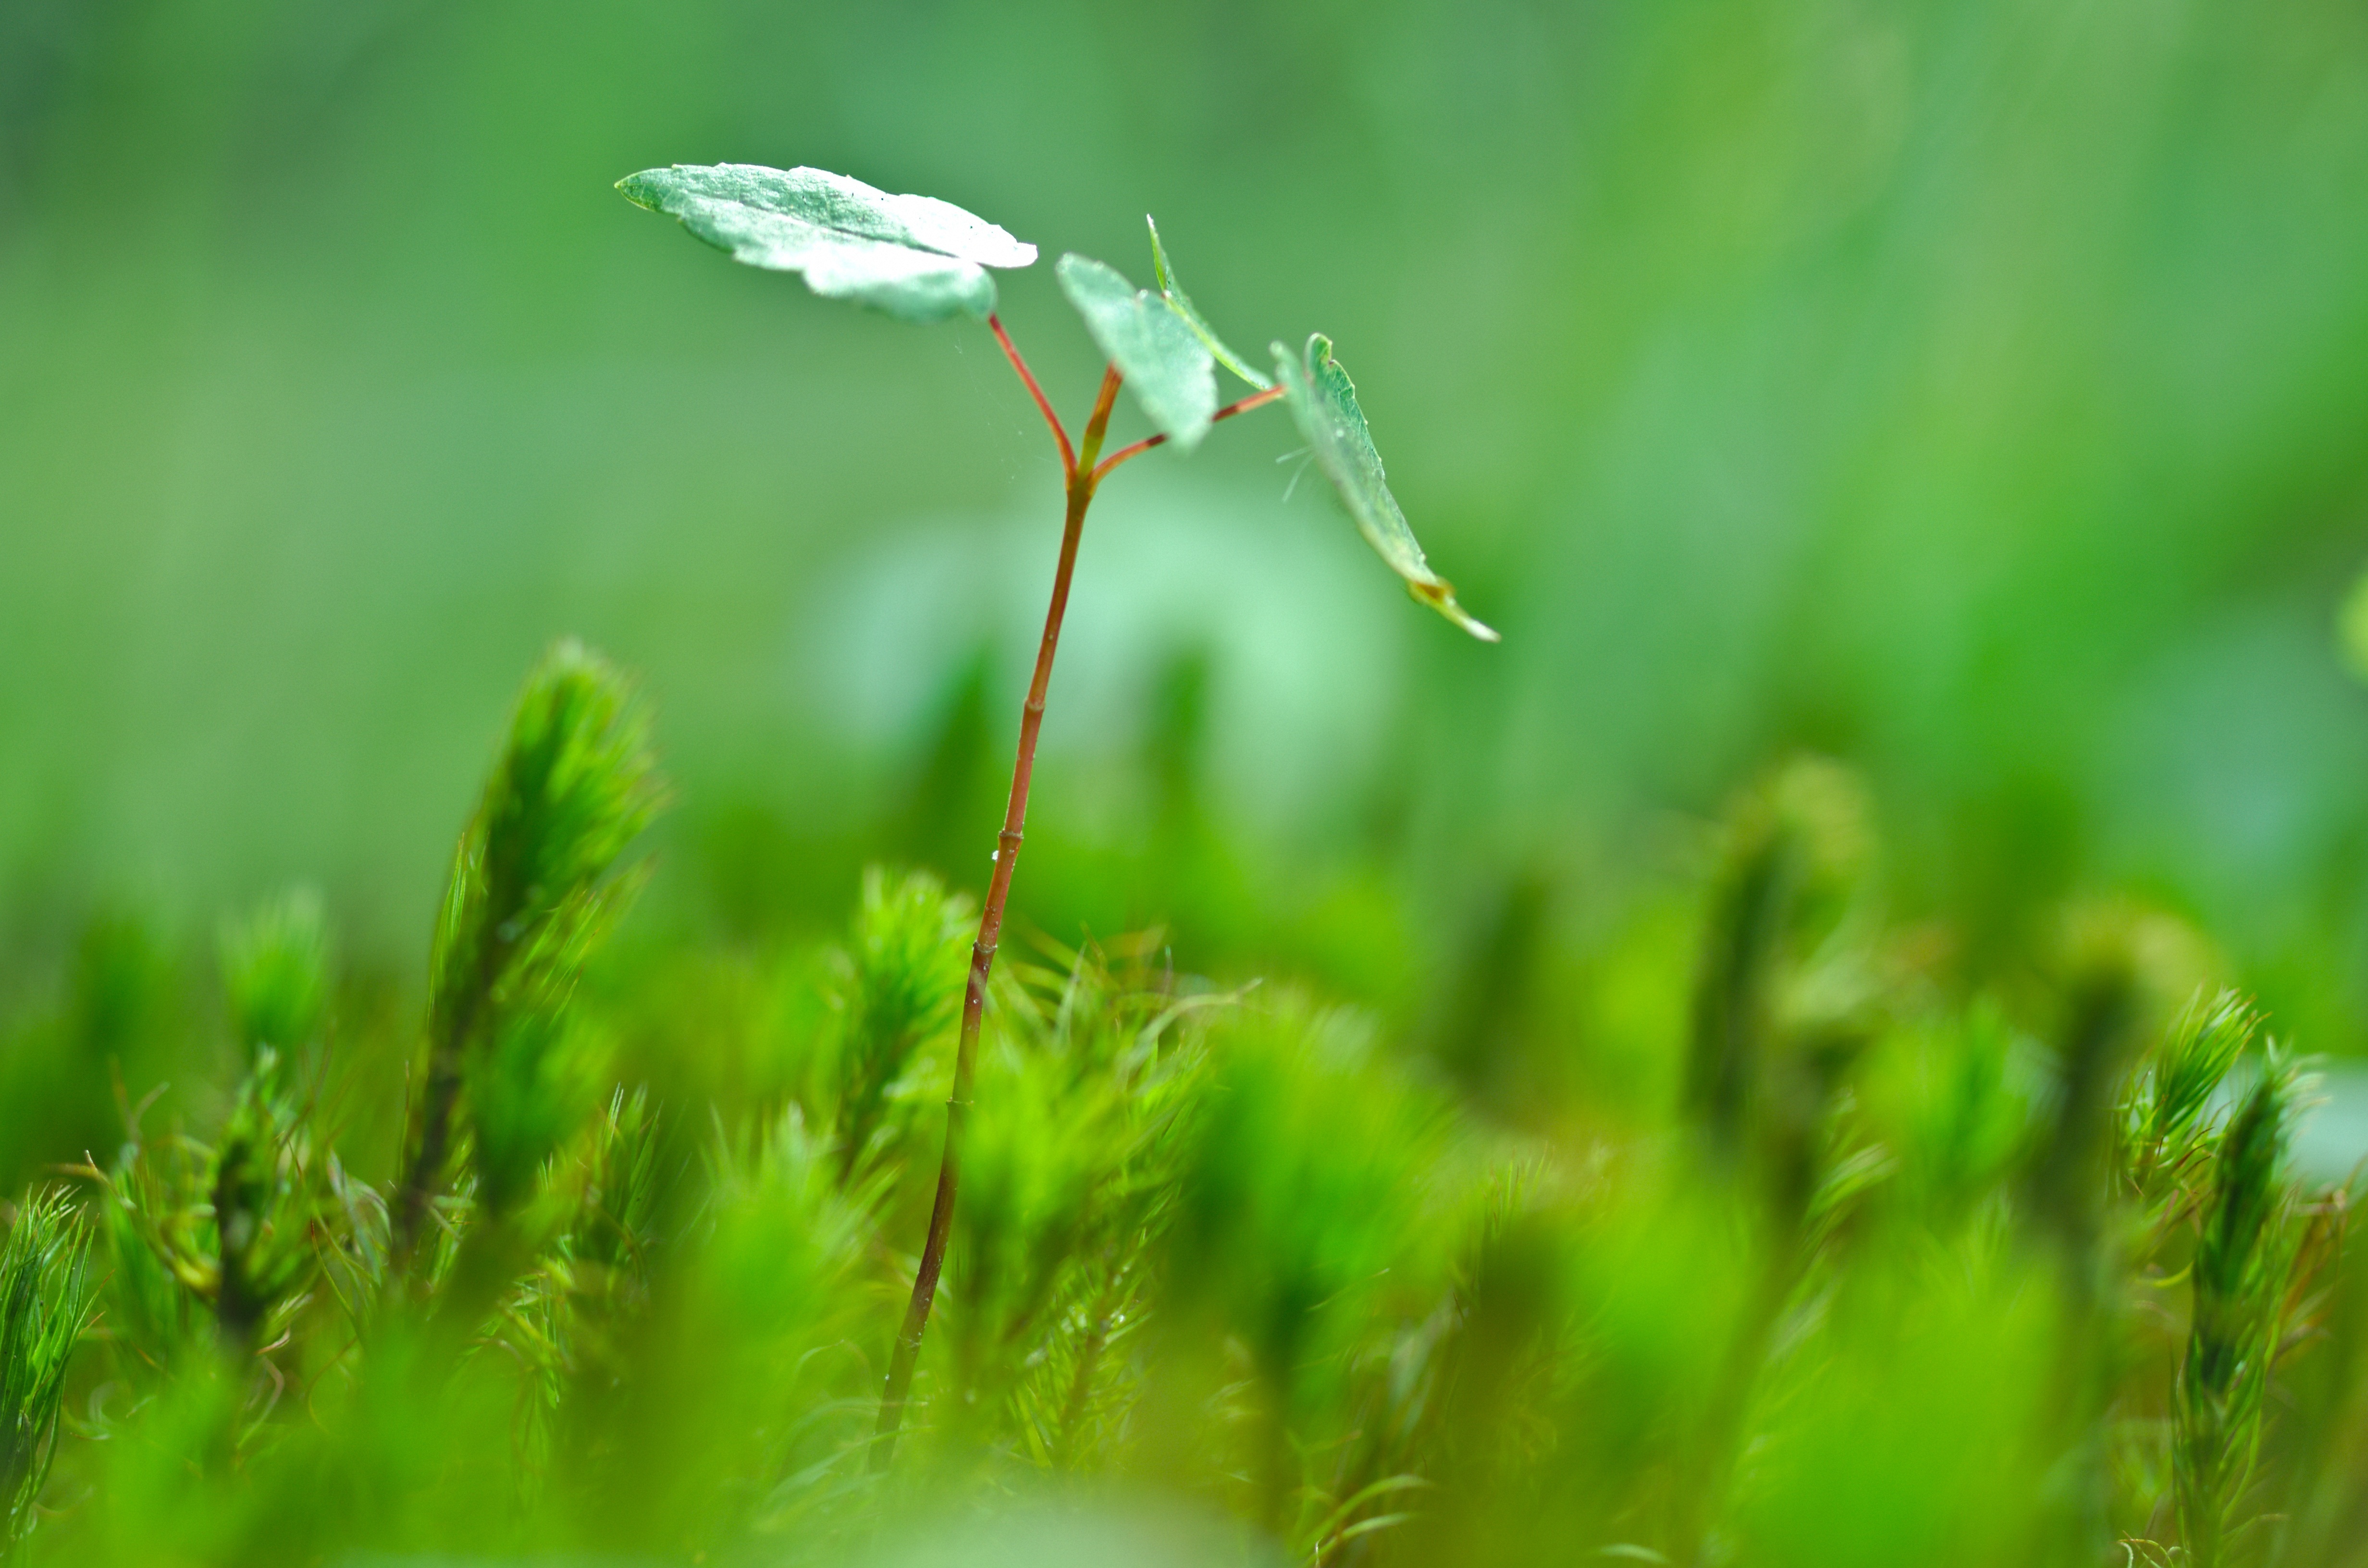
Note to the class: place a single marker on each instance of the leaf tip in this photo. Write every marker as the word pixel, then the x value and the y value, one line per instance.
pixel 1158 257
pixel 1440 595
pixel 636 188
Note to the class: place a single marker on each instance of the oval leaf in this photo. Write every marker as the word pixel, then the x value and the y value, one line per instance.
pixel 1192 318
pixel 1323 401
pixel 913 256
pixel 1166 364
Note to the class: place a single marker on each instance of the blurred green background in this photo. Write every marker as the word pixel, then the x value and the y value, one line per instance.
pixel 1977 393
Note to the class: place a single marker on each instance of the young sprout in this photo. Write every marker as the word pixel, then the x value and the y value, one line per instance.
pixel 265 1179
pixel 897 982
pixel 229 1228
pixel 2165 1120
pixel 1791 855
pixel 925 260
pixel 2240 1286
pixel 531 892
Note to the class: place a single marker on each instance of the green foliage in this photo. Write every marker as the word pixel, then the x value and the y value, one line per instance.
pixel 1886 1278
pixel 896 986
pixel 531 1084
pixel 1844 1299
pixel 1167 363
pixel 227 1228
pixel 117 1019
pixel 267 1180
pixel 574 785
pixel 530 896
pixel 925 260
pixel 1070 1176
pixel 154 1307
pixel 1319 1186
pixel 2106 1000
pixel 756 1399
pixel 274 972
pixel 1780 460
pixel 1779 987
pixel 2166 1120
pixel 1165 271
pixel 913 256
pixel 45 1303
pixel 2244 1261
pixel 1323 401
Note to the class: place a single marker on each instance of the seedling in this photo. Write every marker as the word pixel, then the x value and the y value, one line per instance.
pixel 925 260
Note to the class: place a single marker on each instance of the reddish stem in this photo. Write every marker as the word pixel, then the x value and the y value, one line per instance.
pixel 1098 425
pixel 907 1351
pixel 1255 400
pixel 1044 404
pixel 1137 449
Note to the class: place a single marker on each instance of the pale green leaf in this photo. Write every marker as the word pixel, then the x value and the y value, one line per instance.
pixel 1323 401
pixel 1166 272
pixel 1166 364
pixel 913 256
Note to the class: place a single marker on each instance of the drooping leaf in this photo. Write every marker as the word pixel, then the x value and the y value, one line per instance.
pixel 1323 401
pixel 913 256
pixel 1165 272
pixel 1165 365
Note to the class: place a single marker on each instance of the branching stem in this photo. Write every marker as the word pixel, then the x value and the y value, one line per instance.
pixel 1255 400
pixel 1044 404
pixel 1080 480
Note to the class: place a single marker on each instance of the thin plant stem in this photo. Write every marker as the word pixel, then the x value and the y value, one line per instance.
pixel 1044 404
pixel 1096 425
pixel 1255 400
pixel 417 1195
pixel 1080 481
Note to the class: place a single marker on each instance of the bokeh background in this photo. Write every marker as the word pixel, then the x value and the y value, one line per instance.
pixel 1974 392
